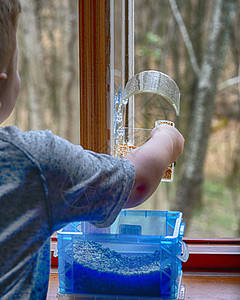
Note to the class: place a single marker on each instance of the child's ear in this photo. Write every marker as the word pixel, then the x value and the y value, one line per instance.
pixel 3 76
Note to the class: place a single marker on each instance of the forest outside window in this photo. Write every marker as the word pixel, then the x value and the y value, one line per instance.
pixel 180 39
pixel 48 66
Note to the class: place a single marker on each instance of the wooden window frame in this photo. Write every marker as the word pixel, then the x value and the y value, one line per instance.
pixel 213 255
pixel 95 86
pixel 94 70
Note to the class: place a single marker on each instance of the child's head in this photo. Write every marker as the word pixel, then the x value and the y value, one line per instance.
pixel 9 78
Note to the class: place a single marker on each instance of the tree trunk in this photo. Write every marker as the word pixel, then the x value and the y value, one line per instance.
pixel 72 68
pixel 189 188
pixel 32 69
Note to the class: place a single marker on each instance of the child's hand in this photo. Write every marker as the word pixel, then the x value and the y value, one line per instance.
pixel 151 160
pixel 174 134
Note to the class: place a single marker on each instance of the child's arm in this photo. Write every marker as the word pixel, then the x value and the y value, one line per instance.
pixel 151 160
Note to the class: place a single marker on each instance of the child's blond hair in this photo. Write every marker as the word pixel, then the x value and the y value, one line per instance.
pixel 9 12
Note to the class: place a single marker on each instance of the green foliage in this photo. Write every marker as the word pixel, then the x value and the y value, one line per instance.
pixel 218 217
pixel 152 46
pixel 153 39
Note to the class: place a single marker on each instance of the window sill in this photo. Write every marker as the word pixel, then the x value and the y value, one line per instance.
pixel 219 255
pixel 206 285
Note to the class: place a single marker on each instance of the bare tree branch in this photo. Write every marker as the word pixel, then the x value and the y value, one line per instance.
pixel 190 186
pixel 239 81
pixel 185 36
pixel 228 83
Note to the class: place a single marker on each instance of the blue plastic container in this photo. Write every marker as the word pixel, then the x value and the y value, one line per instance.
pixel 139 255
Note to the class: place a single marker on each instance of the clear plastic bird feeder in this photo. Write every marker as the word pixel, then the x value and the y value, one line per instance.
pixel 128 138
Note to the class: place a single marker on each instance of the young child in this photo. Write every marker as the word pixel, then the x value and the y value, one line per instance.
pixel 47 182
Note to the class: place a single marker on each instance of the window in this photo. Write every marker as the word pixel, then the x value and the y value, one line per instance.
pixel 152 51
pixel 52 80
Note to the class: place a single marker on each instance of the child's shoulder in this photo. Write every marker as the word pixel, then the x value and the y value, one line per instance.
pixel 29 143
pixel 9 130
pixel 12 133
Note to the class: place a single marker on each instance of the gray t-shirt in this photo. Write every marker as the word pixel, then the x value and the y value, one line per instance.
pixel 45 183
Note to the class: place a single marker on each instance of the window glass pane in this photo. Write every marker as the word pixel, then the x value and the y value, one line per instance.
pixel 159 45
pixel 118 44
pixel 123 60
pixel 48 66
